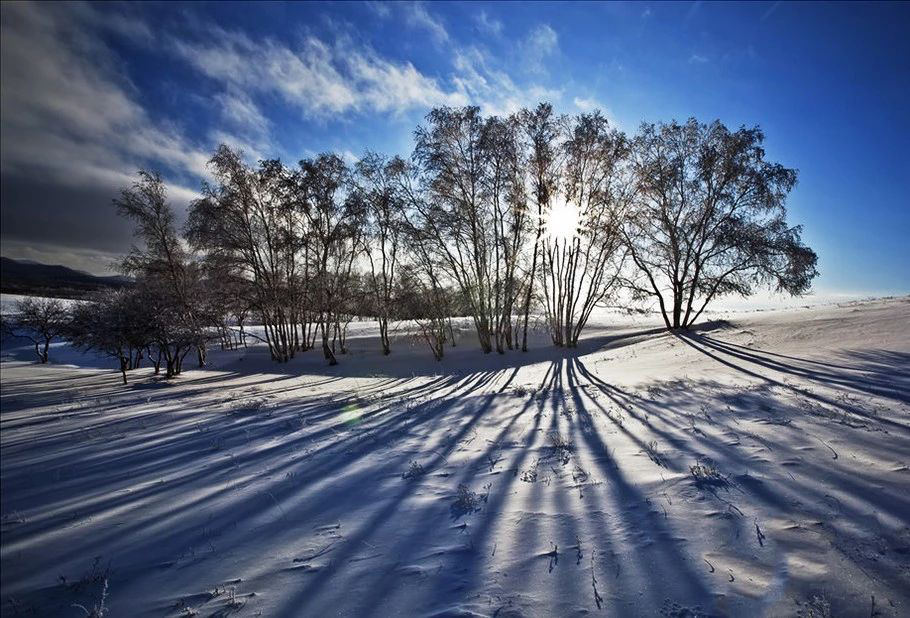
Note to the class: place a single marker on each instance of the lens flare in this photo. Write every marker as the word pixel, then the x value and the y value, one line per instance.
pixel 350 414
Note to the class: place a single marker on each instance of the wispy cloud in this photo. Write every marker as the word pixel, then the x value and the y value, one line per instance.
pixel 331 80
pixel 487 24
pixel 243 115
pixel 590 104
pixel 697 59
pixel 318 77
pixel 493 89
pixel 417 16
pixel 541 43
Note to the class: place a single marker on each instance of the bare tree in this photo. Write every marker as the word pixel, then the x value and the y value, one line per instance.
pixel 378 188
pixel 504 189
pixel 249 230
pixel 423 299
pixel 164 270
pixel 582 266
pixel 542 133
pixel 228 303
pixel 471 205
pixel 39 320
pixel 115 323
pixel 710 220
pixel 335 236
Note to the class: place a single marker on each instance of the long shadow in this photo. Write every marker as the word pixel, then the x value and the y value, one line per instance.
pixel 881 373
pixel 808 496
pixel 256 479
pixel 879 377
pixel 179 446
pixel 669 562
pixel 307 596
pixel 178 522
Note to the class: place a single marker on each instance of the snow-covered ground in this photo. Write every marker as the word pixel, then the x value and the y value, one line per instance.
pixel 755 467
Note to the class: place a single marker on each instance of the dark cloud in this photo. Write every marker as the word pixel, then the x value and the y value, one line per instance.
pixel 77 217
pixel 74 133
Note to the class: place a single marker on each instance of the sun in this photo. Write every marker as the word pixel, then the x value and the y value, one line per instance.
pixel 562 221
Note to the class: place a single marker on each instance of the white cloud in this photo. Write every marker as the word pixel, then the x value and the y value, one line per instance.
pixel 697 59
pixel 590 104
pixel 487 24
pixel 317 77
pixel 417 16
pixel 349 156
pixel 239 110
pixel 493 89
pixel 68 111
pixel 586 104
pixel 538 46
pixel 327 79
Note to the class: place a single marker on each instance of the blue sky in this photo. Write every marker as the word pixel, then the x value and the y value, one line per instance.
pixel 92 92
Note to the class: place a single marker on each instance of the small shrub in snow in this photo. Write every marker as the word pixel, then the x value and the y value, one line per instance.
pixel 493 459
pixel 653 453
pixel 562 447
pixel 817 607
pixel 530 475
pixel 707 475
pixel 466 501
pixel 521 391
pixel 415 470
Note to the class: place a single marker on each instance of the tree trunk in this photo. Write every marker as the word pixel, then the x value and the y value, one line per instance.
pixel 384 335
pixel 677 307
pixel 451 331
pixel 326 349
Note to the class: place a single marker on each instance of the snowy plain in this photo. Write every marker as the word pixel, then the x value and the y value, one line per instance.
pixel 756 466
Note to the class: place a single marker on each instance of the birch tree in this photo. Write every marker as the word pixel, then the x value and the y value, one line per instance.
pixel 378 188
pixel 582 260
pixel 247 227
pixel 710 219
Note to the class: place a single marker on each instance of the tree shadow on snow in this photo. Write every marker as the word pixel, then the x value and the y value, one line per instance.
pixel 575 484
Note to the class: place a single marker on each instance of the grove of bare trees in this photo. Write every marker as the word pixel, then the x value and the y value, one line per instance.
pixel 39 320
pixel 503 220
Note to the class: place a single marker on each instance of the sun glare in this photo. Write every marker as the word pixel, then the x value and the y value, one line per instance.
pixel 562 221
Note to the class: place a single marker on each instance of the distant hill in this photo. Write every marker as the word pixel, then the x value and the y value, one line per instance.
pixel 33 278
